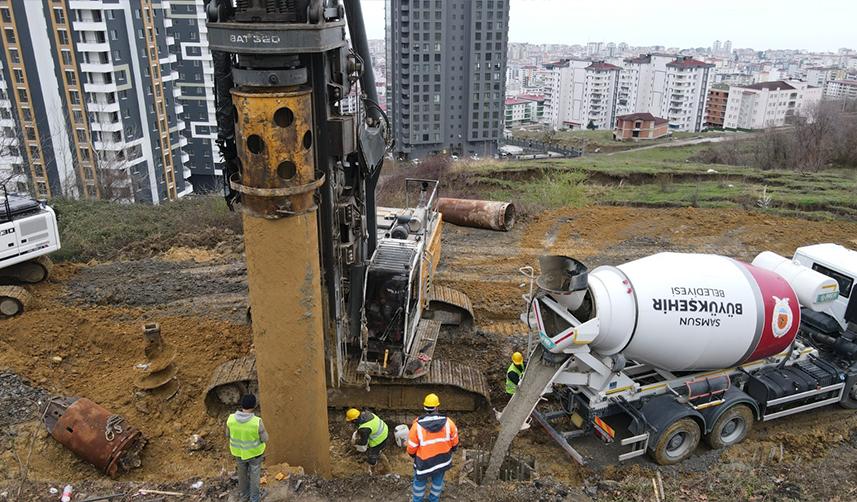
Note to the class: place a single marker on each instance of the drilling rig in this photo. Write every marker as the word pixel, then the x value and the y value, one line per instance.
pixel 344 309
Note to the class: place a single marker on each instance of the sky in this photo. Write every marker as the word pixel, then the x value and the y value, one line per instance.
pixel 818 25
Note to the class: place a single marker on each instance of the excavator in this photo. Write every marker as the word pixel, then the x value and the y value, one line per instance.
pixel 294 160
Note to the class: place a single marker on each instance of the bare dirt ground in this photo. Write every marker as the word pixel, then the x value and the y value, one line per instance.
pixel 83 338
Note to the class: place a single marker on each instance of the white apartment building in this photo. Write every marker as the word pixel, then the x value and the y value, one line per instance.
pixel 686 92
pixel 579 92
pixel 601 84
pixel 768 104
pixel 841 89
pixel 819 76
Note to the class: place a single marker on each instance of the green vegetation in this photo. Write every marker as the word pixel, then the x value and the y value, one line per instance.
pixel 602 140
pixel 664 177
pixel 105 230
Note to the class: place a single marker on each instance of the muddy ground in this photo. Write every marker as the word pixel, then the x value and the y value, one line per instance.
pixel 83 338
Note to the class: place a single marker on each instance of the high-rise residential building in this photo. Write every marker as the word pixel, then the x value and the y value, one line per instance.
pixel 686 91
pixel 591 94
pixel 446 69
pixel 727 48
pixel 819 76
pixel 769 104
pixel 91 87
pixel 715 47
pixel 194 88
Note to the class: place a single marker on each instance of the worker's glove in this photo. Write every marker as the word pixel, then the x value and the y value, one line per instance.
pixel 361 448
pixel 354 438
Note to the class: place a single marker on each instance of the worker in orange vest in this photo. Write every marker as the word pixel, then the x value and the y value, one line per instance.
pixel 432 440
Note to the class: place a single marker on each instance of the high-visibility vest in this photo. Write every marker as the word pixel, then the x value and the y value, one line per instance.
pixel 377 430
pixel 244 440
pixel 432 451
pixel 512 387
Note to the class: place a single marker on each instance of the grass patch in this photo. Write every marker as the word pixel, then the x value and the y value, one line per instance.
pixel 101 230
pixel 554 189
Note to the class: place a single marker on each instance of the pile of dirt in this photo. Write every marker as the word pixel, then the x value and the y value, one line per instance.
pixel 218 242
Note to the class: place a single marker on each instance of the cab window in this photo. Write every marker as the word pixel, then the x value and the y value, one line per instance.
pixel 845 282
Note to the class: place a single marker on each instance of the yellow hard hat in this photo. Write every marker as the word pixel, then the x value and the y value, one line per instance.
pixel 518 358
pixel 352 414
pixel 431 401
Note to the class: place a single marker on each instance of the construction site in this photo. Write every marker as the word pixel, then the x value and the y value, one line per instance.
pixel 689 327
pixel 83 337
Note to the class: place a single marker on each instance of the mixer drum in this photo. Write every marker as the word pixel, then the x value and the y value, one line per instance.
pixel 692 312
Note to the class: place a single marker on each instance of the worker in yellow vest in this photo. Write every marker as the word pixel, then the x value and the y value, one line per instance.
pixel 247 438
pixel 513 374
pixel 371 436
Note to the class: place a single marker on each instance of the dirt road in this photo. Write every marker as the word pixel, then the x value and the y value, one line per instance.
pixel 90 319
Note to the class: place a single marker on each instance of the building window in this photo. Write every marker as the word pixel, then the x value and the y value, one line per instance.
pixel 22 96
pixel 59 16
pixel 14 57
pixel 10 35
pixel 19 76
pixel 66 57
pixel 70 77
pixel 4 13
pixel 63 37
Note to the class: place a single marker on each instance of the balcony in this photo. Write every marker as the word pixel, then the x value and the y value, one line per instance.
pixel 106 126
pixel 110 147
pixel 93 47
pixel 89 26
pixel 103 107
pixel 102 87
pixel 97 67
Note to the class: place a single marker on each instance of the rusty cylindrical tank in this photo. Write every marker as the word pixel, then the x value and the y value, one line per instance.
pixel 488 214
pixel 274 134
pixel 94 434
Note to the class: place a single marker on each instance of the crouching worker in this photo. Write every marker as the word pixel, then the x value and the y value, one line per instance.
pixel 371 437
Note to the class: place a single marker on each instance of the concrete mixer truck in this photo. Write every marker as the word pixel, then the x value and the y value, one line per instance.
pixel 690 346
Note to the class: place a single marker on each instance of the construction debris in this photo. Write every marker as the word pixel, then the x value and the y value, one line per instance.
pixel 94 434
pixel 159 370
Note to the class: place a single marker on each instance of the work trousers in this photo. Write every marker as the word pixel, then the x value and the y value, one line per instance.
pixel 249 472
pixel 433 481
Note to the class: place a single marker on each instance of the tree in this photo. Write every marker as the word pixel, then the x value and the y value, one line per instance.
pixel 591 125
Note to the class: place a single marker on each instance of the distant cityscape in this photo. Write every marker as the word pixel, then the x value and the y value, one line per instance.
pixel 115 99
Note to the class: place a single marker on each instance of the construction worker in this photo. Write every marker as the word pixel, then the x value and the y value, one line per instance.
pixel 513 374
pixel 431 441
pixel 247 439
pixel 371 436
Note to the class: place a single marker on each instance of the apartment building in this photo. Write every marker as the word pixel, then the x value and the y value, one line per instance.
pixel 769 104
pixel 12 174
pixel 600 89
pixel 841 89
pixel 819 76
pixel 92 94
pixel 446 69
pixel 586 94
pixel 524 109
pixel 194 93
pixel 718 98
pixel 686 91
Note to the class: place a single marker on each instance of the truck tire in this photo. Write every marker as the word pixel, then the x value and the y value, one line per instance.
pixel 732 427
pixel 677 442
pixel 849 396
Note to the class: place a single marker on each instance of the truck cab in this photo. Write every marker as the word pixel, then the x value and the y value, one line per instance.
pixel 840 264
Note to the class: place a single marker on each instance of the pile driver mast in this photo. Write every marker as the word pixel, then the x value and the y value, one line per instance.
pixel 305 175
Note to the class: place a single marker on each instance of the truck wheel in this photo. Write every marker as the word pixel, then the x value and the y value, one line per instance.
pixel 677 442
pixel 849 398
pixel 732 427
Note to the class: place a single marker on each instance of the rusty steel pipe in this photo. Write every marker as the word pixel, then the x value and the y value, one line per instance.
pixel 488 214
pixel 94 434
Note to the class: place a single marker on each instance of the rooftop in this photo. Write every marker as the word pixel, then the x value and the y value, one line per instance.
pixel 515 101
pixel 845 82
pixel 642 116
pixel 689 62
pixel 776 85
pixel 641 59
pixel 602 66
pixel 532 97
